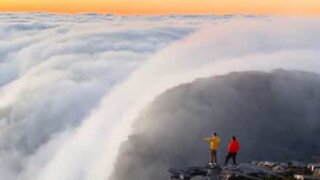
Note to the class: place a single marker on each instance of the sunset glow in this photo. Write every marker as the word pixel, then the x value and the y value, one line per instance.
pixel 278 7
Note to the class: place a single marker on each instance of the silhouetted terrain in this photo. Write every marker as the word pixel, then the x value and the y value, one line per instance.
pixel 255 170
pixel 274 115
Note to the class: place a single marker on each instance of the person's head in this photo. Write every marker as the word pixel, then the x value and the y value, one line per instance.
pixel 214 134
pixel 234 138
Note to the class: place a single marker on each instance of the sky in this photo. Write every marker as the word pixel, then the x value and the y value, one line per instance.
pixel 275 7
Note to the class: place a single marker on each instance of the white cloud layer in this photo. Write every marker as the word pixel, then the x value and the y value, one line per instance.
pixel 56 69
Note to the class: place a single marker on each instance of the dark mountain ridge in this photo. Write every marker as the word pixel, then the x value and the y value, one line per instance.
pixel 275 116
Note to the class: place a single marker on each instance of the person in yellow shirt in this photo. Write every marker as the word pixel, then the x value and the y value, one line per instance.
pixel 214 145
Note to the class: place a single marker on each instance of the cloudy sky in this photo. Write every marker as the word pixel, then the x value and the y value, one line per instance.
pixel 283 7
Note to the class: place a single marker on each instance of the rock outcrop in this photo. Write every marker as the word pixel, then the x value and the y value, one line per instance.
pixel 262 170
pixel 274 115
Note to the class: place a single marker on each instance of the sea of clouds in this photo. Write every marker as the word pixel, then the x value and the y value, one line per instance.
pixel 71 85
pixel 54 70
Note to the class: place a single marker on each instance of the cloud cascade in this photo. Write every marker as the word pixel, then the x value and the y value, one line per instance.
pixel 71 86
pixel 54 69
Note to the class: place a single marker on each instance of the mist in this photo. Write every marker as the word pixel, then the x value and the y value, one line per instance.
pixel 72 85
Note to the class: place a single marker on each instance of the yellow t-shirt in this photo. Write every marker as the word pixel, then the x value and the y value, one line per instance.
pixel 214 142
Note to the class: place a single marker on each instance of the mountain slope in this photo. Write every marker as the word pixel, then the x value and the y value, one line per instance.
pixel 275 116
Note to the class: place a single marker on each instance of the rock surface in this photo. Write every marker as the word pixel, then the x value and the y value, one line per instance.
pixel 254 170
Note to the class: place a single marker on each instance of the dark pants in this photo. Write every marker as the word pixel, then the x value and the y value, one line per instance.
pixel 213 156
pixel 233 156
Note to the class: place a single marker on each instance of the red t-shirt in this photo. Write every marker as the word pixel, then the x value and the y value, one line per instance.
pixel 234 146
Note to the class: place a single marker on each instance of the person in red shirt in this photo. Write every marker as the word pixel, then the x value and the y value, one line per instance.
pixel 233 149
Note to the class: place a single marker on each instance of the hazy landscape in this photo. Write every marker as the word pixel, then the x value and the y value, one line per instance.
pixel 82 97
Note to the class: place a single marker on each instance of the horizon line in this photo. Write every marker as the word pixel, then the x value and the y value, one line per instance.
pixel 157 14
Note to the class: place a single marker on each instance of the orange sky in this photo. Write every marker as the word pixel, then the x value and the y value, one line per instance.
pixel 282 7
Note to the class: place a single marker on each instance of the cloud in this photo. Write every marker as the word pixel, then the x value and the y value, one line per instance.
pixel 54 69
pixel 74 89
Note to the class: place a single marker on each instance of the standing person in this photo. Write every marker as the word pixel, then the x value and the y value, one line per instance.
pixel 233 149
pixel 214 144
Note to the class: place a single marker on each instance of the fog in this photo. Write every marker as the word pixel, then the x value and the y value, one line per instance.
pixel 71 86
